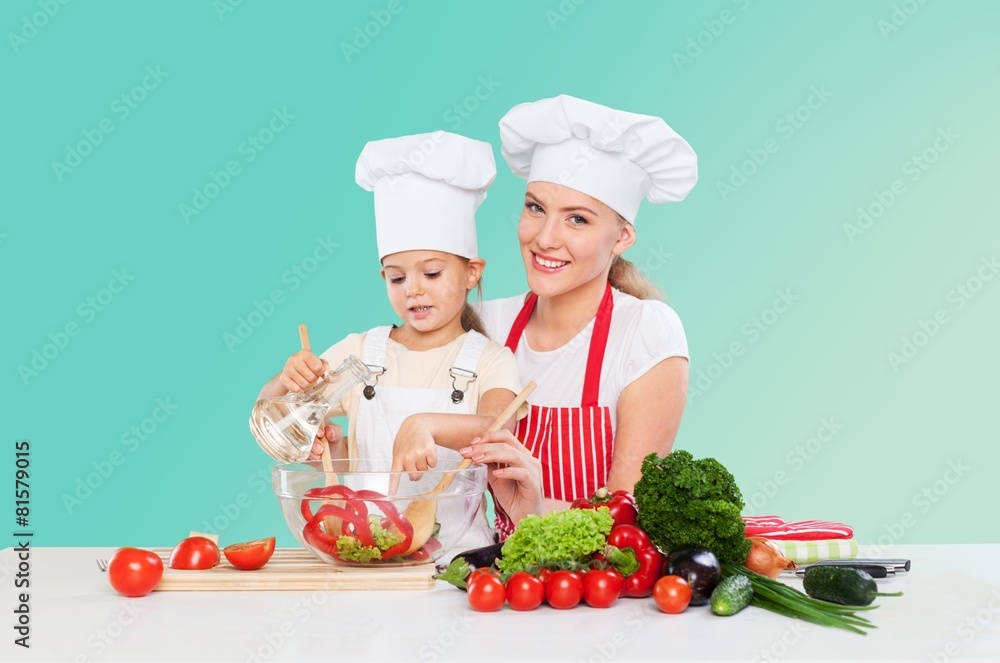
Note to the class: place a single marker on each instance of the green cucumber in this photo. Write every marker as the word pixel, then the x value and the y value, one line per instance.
pixel 841 584
pixel 731 595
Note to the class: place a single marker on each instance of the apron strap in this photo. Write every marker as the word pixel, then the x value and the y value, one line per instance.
pixel 376 342
pixel 598 341
pixel 465 364
pixel 472 350
pixel 598 344
pixel 521 321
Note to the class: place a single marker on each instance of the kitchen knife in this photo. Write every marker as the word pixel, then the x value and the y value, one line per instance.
pixel 874 570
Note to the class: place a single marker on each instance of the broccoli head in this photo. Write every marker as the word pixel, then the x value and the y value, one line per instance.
pixel 683 501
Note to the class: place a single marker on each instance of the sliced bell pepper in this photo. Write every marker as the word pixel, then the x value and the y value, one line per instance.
pixel 352 520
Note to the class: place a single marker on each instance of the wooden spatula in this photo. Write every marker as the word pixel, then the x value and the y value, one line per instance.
pixel 325 455
pixel 423 512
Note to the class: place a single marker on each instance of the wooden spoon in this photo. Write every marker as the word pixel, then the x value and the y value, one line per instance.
pixel 325 455
pixel 423 512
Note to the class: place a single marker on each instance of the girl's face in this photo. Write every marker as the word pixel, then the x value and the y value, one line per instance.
pixel 427 289
pixel 567 238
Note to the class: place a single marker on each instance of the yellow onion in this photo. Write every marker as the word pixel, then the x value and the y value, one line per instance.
pixel 765 560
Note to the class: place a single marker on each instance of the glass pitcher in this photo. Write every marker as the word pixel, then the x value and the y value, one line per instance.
pixel 285 427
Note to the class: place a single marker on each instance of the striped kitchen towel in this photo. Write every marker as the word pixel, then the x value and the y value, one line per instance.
pixel 806 552
pixel 773 527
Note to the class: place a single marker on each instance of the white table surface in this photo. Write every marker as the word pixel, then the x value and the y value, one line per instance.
pixel 950 611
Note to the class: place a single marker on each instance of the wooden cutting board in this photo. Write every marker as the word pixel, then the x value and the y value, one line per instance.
pixel 293 569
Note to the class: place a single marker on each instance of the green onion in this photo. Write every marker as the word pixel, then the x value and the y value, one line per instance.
pixel 779 598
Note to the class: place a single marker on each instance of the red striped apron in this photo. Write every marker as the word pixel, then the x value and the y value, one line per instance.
pixel 574 444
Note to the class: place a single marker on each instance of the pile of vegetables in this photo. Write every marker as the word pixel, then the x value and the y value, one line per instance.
pixel 342 527
pixel 681 539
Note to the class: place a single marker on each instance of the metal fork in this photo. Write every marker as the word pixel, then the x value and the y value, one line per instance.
pixel 102 564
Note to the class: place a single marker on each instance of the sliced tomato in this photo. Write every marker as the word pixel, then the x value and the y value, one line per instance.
pixel 250 555
pixel 193 553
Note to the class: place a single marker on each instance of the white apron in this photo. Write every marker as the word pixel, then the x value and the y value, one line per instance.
pixel 380 417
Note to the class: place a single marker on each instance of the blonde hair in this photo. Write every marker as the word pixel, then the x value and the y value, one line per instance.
pixel 626 277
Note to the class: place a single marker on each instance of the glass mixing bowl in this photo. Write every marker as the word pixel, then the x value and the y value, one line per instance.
pixel 346 517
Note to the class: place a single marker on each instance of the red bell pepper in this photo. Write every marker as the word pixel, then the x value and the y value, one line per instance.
pixel 351 520
pixel 639 584
pixel 620 503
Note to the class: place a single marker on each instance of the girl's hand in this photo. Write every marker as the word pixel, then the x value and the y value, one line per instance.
pixel 301 370
pixel 414 449
pixel 328 433
pixel 515 475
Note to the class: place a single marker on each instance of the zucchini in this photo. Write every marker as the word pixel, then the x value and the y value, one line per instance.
pixel 731 595
pixel 841 584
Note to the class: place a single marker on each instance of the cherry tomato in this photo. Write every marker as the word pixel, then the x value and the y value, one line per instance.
pixel 134 572
pixel 602 587
pixel 478 573
pixel 486 593
pixel 563 589
pixel 525 591
pixel 544 573
pixel 195 552
pixel 250 555
pixel 672 594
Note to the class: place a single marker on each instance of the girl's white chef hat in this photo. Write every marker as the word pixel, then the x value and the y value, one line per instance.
pixel 427 188
pixel 616 157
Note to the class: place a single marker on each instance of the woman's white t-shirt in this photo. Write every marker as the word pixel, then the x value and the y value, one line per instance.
pixel 643 333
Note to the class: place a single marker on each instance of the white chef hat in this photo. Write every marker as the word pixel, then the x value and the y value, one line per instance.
pixel 616 157
pixel 427 188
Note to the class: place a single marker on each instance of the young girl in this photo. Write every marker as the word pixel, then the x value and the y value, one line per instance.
pixel 438 379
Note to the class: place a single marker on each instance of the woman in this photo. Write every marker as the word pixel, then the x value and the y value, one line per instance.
pixel 610 360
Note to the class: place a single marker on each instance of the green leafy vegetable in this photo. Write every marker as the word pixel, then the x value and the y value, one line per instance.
pixel 349 548
pixel 557 537
pixel 688 502
pixel 384 539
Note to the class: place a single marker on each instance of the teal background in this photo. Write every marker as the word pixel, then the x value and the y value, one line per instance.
pixel 720 257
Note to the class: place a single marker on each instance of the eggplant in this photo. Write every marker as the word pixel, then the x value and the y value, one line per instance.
pixel 700 567
pixel 480 557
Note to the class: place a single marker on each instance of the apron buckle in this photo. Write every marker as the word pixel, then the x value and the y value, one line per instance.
pixel 369 391
pixel 458 395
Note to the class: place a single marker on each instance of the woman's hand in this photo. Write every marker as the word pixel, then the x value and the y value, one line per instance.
pixel 515 475
pixel 301 370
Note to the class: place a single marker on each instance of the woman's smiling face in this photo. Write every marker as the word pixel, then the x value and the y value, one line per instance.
pixel 568 238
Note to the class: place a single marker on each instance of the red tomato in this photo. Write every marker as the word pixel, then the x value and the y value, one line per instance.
pixel 602 587
pixel 134 572
pixel 478 573
pixel 486 593
pixel 525 591
pixel 195 552
pixel 544 573
pixel 672 594
pixel 563 590
pixel 250 555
